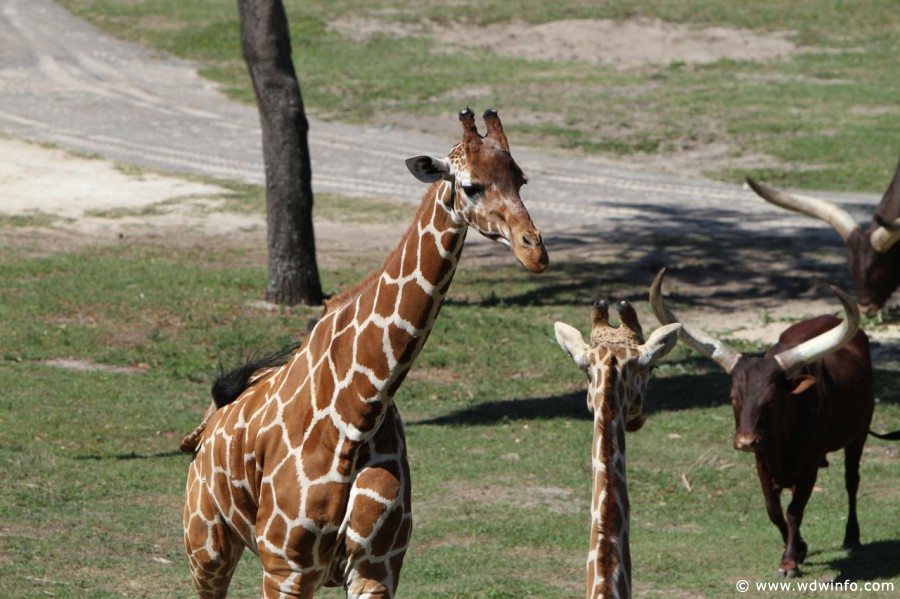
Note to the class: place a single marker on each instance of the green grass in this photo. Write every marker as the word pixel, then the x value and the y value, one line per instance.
pixel 498 432
pixel 827 115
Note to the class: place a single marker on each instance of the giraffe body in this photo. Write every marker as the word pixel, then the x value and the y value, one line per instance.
pixel 618 363
pixel 308 466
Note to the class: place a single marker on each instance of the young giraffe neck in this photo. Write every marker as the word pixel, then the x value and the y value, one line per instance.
pixel 609 557
pixel 387 318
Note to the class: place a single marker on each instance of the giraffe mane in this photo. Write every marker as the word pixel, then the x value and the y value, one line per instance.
pixel 343 298
pixel 229 385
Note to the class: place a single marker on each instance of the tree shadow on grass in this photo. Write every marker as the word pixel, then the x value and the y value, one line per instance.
pixel 872 561
pixel 568 406
pixel 134 456
pixel 693 389
pixel 673 393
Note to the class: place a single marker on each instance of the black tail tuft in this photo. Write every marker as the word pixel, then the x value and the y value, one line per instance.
pixel 228 386
pixel 894 436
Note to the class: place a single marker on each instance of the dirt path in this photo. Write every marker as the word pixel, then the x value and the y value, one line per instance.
pixel 64 83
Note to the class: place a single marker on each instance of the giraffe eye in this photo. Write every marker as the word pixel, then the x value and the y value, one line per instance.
pixel 473 189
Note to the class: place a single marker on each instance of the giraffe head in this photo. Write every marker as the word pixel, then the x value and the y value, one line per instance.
pixel 481 184
pixel 617 361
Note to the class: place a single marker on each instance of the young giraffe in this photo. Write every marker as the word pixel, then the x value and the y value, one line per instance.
pixel 617 363
pixel 308 466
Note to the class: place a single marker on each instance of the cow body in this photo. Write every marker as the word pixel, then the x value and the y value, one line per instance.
pixel 790 430
pixel 810 394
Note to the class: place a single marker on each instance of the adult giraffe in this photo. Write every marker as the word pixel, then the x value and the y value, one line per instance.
pixel 307 465
pixel 618 364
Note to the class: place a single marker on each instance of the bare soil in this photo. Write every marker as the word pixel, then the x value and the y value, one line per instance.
pixel 597 41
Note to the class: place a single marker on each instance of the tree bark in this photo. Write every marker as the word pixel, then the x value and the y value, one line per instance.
pixel 266 46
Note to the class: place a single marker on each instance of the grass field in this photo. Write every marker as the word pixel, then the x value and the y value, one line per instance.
pixel 499 435
pixel 498 431
pixel 826 117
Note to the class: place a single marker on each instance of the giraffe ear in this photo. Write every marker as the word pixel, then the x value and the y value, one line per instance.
pixel 570 339
pixel 429 169
pixel 661 342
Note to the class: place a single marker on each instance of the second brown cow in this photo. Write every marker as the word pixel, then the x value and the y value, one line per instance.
pixel 810 394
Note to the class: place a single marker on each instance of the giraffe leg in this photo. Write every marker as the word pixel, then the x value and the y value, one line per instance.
pixel 380 524
pixel 373 564
pixel 280 580
pixel 213 549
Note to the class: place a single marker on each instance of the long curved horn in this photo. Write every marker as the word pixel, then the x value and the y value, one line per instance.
pixel 884 238
pixel 716 350
pixel 832 214
pixel 795 358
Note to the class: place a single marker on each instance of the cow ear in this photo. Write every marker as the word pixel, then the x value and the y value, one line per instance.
pixel 802 383
pixel 570 339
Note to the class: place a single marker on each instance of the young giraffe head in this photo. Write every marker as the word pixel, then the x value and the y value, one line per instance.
pixel 617 362
pixel 480 188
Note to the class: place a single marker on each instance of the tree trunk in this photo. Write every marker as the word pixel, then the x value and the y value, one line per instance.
pixel 266 45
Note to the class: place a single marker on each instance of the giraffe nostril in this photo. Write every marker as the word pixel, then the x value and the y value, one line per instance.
pixel 527 241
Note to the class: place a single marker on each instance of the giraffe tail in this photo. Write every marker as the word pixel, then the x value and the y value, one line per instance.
pixel 189 444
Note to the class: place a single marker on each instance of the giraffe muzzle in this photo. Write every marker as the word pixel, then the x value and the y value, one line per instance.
pixel 528 248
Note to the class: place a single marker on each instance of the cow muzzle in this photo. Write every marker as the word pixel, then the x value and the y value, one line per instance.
pixel 744 442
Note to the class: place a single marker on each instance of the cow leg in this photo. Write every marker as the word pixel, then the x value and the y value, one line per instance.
pixel 772 496
pixel 795 548
pixel 852 455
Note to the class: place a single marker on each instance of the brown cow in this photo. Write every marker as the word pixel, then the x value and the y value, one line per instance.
pixel 810 394
pixel 873 255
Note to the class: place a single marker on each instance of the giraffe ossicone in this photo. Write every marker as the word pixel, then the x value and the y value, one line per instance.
pixel 618 364
pixel 305 463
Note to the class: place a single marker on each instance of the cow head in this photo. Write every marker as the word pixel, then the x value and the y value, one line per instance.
pixel 761 387
pixel 760 390
pixel 873 255
pixel 875 274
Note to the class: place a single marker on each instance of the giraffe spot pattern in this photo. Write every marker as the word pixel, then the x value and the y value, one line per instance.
pixel 308 466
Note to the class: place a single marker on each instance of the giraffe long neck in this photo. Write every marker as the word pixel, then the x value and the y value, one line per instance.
pixel 373 337
pixel 609 557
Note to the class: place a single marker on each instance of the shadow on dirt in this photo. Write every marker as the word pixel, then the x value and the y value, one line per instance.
pixel 712 269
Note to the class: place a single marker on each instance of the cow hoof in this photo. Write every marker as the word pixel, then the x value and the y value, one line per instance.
pixel 851 545
pixel 789 570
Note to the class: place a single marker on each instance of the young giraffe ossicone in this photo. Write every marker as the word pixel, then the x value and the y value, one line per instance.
pixel 305 463
pixel 617 362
